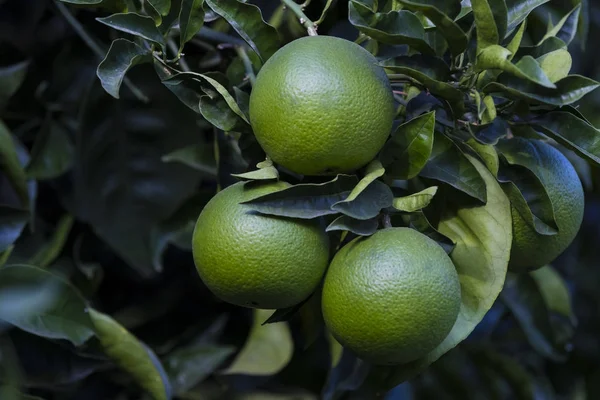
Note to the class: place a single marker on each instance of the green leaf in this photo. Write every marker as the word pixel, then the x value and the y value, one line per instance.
pixel 12 222
pixel 431 72
pixel 407 151
pixel 487 154
pixel 571 131
pixel 547 46
pixel 191 19
pixel 437 13
pixel 131 355
pixel 394 27
pixel 43 304
pixel 368 203
pixel 568 90
pixel 213 85
pixel 365 227
pixel 518 10
pixel 11 166
pixel 522 183
pixel 490 133
pixel 201 157
pixel 52 154
pixel 135 24
pixel 524 299
pixel 122 56
pixel 51 250
pixel 497 57
pixel 187 91
pixel 555 292
pixel 419 221
pixel 517 39
pixel 556 64
pixel 267 351
pixel 368 197
pixel 247 21
pixel 566 28
pixel 268 173
pixel 190 365
pixel 491 19
pixel 157 9
pixel 448 164
pixel 483 237
pixel 11 78
pixel 415 201
pixel 307 200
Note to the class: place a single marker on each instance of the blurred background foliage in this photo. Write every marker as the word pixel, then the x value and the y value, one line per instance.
pixel 116 186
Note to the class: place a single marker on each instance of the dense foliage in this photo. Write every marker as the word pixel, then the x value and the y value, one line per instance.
pixel 120 119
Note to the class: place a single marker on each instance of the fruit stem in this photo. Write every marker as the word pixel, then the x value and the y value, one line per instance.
pixel 296 8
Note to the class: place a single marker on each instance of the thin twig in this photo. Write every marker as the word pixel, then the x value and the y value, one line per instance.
pixel 241 52
pixel 91 43
pixel 304 20
pixel 173 47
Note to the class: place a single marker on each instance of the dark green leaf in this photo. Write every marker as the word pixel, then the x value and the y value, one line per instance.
pixel 571 131
pixel 518 10
pixel 409 147
pixel 284 314
pixel 247 21
pixel 394 27
pixel 44 304
pixel 201 157
pixel 131 355
pixel 190 365
pixel 491 19
pixel 359 227
pixel 566 28
pixel 429 71
pixel 367 203
pixel 51 250
pixel 217 112
pixel 522 296
pixel 547 46
pixel 368 197
pixel 416 201
pixel 161 6
pixel 307 200
pixel 187 91
pixel 11 166
pixel 496 57
pixel 440 13
pixel 568 90
pixel 490 133
pixel 52 154
pixel 448 164
pixel 483 237
pixel 191 19
pixel 267 351
pixel 121 56
pixel 522 183
pixel 12 222
pixel 418 220
pixel 135 24
pixel 11 78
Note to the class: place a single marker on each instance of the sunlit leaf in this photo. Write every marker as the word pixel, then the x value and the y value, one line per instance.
pixel 415 201
pixel 556 64
pixel 267 351
pixel 131 355
pixel 491 19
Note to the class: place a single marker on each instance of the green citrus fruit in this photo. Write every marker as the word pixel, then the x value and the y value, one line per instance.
pixel 321 105
pixel 391 298
pixel 255 260
pixel 530 250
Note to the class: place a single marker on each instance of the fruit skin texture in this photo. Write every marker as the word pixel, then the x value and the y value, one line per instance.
pixel 321 105
pixel 391 298
pixel 531 250
pixel 254 260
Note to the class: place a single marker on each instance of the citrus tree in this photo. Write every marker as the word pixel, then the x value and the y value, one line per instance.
pixel 226 199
